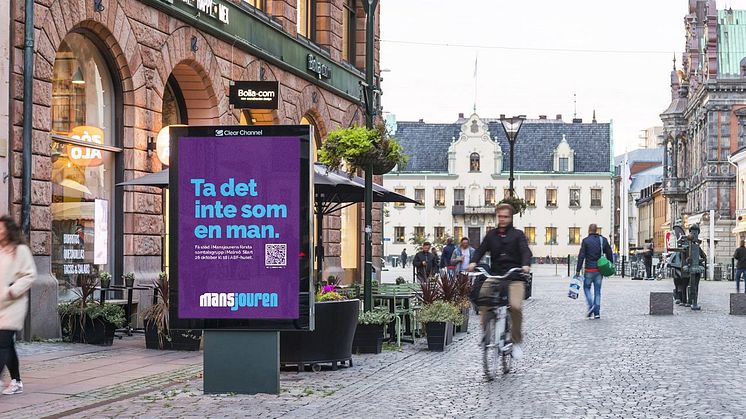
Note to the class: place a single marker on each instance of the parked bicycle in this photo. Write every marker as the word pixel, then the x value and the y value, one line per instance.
pixel 496 343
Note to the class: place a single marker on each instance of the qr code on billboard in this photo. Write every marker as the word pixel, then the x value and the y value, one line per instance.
pixel 275 254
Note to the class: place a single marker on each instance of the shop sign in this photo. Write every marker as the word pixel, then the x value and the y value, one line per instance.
pixel 240 244
pixel 317 67
pixel 254 94
pixel 73 256
pixel 84 156
pixel 211 8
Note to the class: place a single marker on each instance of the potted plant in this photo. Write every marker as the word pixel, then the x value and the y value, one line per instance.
pixel 129 279
pixel 330 342
pixel 438 318
pixel 358 148
pixel 86 321
pixel 370 329
pixel 519 204
pixel 455 290
pixel 157 333
pixel 104 279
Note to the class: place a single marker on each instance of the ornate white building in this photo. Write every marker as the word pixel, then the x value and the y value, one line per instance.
pixel 460 171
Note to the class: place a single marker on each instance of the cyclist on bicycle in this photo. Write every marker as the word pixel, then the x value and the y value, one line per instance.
pixel 509 249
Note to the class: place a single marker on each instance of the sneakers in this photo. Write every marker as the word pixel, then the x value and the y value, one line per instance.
pixel 14 387
pixel 597 316
pixel 517 351
pixel 590 313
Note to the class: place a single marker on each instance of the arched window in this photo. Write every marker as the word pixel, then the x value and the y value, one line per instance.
pixel 474 162
pixel 83 103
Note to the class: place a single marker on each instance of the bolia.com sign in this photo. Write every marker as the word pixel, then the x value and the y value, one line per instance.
pixel 254 94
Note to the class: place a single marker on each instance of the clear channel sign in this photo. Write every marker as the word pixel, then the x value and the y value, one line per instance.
pixel 240 242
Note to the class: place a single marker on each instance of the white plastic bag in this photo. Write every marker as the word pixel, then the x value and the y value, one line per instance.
pixel 575 283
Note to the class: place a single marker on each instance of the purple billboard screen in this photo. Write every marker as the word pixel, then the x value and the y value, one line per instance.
pixel 239 227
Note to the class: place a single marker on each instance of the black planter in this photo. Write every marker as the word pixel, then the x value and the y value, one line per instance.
pixel 450 332
pixel 91 331
pixel 437 332
pixel 368 339
pixel 180 339
pixel 329 343
pixel 464 326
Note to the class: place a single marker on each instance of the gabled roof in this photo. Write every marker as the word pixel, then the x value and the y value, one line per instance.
pixel 641 155
pixel 427 145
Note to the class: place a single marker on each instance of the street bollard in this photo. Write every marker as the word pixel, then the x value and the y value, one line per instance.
pixel 568 265
pixel 624 259
pixel 732 269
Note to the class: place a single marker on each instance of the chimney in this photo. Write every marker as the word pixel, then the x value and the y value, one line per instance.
pixel 421 121
pixel 460 115
pixel 542 117
pixel 559 116
pixel 577 121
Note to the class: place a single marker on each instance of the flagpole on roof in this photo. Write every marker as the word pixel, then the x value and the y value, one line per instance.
pixel 476 60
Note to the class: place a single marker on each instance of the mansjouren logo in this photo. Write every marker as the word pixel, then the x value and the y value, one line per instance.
pixel 236 300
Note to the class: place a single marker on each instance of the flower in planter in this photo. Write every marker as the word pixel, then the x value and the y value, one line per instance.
pixel 377 316
pixel 129 279
pixel 329 293
pixel 105 279
pixel 358 148
pixel 441 311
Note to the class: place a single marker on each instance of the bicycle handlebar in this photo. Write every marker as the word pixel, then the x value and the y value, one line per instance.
pixel 482 271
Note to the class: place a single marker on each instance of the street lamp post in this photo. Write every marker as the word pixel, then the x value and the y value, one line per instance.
pixel 370 111
pixel 511 126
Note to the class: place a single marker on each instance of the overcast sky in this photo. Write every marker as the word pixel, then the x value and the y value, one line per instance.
pixel 533 55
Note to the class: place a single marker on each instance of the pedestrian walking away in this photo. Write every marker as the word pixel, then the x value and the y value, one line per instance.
pixel 446 255
pixel 17 272
pixel 591 250
pixel 740 257
pixel 509 249
pixel 647 258
pixel 404 258
pixel 424 262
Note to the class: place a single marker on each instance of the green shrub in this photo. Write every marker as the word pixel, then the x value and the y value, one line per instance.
pixel 441 311
pixel 379 315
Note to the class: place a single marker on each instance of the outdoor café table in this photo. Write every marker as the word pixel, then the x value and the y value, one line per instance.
pixel 391 300
pixel 128 329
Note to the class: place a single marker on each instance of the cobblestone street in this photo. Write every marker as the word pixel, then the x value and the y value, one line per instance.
pixel 627 364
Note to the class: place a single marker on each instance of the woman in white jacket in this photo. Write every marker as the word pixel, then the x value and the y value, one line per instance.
pixel 17 272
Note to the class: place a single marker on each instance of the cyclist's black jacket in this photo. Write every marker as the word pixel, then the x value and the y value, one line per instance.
pixel 509 249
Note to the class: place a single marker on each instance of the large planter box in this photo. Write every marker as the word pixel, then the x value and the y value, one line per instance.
pixel 437 333
pixel 368 339
pixel 329 343
pixel 181 339
pixel 91 331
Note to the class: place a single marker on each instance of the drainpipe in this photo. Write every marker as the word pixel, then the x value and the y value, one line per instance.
pixel 28 78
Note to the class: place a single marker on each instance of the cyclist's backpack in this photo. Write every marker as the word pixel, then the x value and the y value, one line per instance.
pixel 604 265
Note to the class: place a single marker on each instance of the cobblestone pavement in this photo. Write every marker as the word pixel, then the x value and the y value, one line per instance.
pixel 627 364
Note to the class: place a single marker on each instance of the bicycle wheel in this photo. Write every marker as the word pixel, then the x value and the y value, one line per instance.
pixel 490 348
pixel 506 345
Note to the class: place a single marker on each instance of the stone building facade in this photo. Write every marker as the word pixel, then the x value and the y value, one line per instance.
pixel 706 122
pixel 112 73
pixel 459 172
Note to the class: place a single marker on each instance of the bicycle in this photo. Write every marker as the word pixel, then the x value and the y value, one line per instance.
pixel 496 343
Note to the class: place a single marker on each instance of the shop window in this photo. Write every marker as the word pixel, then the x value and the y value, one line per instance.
pixel 474 162
pixel 458 197
pixel 551 236
pixel 82 207
pixel 400 191
pixel 307 19
pixel 399 235
pixel 258 4
pixel 419 196
pixel 596 198
pixel 489 197
pixel 348 30
pixel 458 233
pixel 574 235
pixel 530 233
pixel 574 198
pixel 440 198
pixel 551 198
pixel 530 197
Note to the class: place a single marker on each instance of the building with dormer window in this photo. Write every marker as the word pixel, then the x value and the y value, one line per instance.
pixel 459 172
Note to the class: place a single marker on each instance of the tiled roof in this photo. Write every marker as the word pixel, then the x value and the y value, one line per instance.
pixel 427 145
pixel 641 155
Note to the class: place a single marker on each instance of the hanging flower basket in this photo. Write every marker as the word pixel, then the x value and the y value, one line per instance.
pixel 358 148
